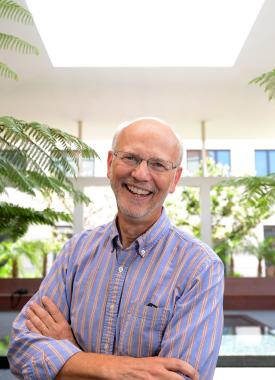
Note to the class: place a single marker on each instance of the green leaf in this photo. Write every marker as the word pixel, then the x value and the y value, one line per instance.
pixel 6 72
pixel 13 11
pixel 15 220
pixel 267 81
pixel 33 157
pixel 10 42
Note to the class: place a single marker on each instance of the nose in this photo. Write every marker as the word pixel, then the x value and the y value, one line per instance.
pixel 141 172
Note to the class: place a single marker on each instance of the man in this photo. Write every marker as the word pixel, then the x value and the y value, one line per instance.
pixel 133 299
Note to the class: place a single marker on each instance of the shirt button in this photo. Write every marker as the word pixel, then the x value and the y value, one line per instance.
pixel 112 306
pixel 142 252
pixel 106 346
pixel 120 269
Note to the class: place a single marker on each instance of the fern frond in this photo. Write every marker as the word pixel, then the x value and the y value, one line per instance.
pixel 10 42
pixel 15 177
pixel 33 157
pixel 267 81
pixel 18 135
pixel 33 151
pixel 13 11
pixel 7 72
pixel 15 220
pixel 256 188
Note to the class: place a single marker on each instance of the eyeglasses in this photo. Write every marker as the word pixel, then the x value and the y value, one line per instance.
pixel 154 164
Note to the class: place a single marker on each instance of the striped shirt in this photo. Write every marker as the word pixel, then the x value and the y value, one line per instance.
pixel 162 296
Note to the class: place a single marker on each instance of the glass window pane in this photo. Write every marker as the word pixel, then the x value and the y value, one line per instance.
pixel 211 153
pixel 193 161
pixel 261 162
pixel 87 167
pixel 271 161
pixel 223 157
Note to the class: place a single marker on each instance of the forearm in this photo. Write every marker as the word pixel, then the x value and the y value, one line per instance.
pixel 83 366
pixel 35 356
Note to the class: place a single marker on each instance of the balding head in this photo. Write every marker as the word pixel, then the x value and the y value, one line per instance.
pixel 156 126
pixel 143 169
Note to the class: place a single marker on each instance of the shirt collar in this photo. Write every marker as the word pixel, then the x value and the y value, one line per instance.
pixel 146 241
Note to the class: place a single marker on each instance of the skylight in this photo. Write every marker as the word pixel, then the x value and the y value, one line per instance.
pixel 158 33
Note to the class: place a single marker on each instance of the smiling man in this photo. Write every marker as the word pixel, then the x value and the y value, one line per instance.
pixel 136 298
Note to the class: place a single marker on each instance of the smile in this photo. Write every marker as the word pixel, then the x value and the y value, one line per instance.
pixel 137 191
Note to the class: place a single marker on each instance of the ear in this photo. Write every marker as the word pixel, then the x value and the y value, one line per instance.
pixel 109 163
pixel 175 180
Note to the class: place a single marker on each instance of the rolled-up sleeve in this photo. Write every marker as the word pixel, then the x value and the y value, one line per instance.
pixel 34 356
pixel 195 330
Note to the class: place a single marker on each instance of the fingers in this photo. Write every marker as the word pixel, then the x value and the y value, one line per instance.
pixel 31 327
pixel 178 365
pixel 53 310
pixel 49 321
pixel 186 369
pixel 42 314
pixel 35 324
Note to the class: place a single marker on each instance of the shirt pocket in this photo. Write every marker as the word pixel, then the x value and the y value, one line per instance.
pixel 142 329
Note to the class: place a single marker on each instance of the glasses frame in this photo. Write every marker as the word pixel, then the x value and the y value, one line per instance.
pixel 167 165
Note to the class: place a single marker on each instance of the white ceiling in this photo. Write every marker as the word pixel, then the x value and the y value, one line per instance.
pixel 102 98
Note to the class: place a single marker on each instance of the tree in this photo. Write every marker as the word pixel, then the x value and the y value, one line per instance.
pixel 15 12
pixel 263 250
pixel 13 255
pixel 267 81
pixel 257 189
pixel 234 216
pixel 35 157
pixel 260 188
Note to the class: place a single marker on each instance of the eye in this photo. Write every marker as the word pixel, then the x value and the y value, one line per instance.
pixel 130 159
pixel 158 165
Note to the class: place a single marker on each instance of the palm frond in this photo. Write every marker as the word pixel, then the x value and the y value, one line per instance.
pixel 256 187
pixel 7 72
pixel 13 11
pixel 267 81
pixel 15 177
pixel 10 42
pixel 35 156
pixel 15 220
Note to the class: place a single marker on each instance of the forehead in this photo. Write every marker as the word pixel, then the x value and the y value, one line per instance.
pixel 150 139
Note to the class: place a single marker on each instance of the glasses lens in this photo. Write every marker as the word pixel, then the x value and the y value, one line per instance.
pixel 129 159
pixel 159 165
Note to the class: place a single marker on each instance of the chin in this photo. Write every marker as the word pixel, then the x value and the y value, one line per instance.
pixel 133 213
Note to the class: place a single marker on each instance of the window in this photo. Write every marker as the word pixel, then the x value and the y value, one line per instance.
pixel 220 156
pixel 269 231
pixel 86 166
pixel 265 162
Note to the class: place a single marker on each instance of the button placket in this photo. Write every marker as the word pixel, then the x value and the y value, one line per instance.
pixel 116 288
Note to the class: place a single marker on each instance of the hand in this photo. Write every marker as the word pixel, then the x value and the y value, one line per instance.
pixel 151 368
pixel 49 321
pixel 85 365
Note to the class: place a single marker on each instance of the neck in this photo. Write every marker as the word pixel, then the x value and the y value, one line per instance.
pixel 130 231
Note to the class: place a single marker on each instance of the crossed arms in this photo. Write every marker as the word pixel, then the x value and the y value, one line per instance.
pixel 49 321
pixel 191 332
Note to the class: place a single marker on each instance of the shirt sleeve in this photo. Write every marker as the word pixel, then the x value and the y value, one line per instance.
pixel 194 332
pixel 34 356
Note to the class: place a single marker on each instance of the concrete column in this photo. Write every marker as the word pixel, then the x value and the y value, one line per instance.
pixel 78 213
pixel 78 222
pixel 203 149
pixel 206 219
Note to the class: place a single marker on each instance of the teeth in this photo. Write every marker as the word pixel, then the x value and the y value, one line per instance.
pixel 138 191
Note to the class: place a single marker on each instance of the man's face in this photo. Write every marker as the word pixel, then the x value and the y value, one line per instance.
pixel 140 192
